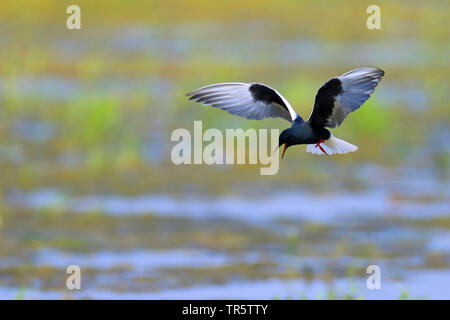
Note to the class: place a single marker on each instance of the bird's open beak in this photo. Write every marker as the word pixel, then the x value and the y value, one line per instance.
pixel 284 150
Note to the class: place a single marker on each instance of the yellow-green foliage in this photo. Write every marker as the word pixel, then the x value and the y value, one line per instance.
pixel 187 44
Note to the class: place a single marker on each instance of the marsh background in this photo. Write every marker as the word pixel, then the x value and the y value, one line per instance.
pixel 86 177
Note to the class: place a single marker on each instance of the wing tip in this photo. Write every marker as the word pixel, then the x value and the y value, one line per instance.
pixel 380 72
pixel 206 88
pixel 191 94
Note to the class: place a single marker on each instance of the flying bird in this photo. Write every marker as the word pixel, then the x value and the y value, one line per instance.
pixel 336 98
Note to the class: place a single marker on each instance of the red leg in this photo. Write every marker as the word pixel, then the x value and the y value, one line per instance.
pixel 320 147
pixel 320 141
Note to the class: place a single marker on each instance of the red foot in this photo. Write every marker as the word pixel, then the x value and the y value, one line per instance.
pixel 320 147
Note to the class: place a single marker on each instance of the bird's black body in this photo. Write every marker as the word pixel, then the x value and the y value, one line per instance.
pixel 337 98
pixel 302 132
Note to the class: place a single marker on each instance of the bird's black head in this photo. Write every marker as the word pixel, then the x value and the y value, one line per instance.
pixel 285 139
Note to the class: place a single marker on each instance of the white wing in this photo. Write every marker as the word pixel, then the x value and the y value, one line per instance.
pixel 249 100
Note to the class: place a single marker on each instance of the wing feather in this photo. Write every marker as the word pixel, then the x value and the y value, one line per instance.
pixel 342 95
pixel 248 100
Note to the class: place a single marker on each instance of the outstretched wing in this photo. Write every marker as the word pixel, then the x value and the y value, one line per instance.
pixel 249 100
pixel 342 95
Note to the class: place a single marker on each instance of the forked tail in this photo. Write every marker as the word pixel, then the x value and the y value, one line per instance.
pixel 331 146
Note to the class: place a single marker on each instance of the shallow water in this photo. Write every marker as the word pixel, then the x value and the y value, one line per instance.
pixel 383 200
pixel 295 245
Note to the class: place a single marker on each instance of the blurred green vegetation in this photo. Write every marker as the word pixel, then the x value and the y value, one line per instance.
pixel 91 111
pixel 109 129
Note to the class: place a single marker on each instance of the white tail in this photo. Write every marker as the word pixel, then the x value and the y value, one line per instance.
pixel 332 146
